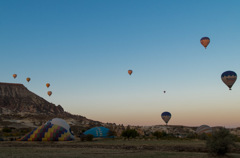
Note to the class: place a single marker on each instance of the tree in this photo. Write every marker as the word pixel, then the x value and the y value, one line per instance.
pixel 88 137
pixel 130 133
pixel 159 134
pixel 6 130
pixel 203 136
pixel 220 142
pixel 191 135
pixel 112 133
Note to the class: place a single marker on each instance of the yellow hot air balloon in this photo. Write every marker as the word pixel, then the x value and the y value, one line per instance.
pixel 49 93
pixel 205 41
pixel 129 72
pixel 14 75
pixel 48 84
pixel 28 79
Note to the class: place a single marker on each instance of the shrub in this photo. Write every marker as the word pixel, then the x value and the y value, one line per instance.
pixel 83 137
pixel 7 134
pixel 191 135
pixel 236 138
pixel 203 136
pixel 159 134
pixel 170 136
pixel 130 133
pixel 112 133
pixel 220 142
pixel 25 130
pixel 89 137
pixel 164 134
pixel 6 130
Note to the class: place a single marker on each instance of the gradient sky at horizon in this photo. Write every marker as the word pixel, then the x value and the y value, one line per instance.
pixel 85 48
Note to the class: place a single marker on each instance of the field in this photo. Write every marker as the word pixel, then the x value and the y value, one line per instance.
pixel 108 148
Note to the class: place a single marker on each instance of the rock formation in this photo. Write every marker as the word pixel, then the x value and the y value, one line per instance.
pixel 17 98
pixel 21 108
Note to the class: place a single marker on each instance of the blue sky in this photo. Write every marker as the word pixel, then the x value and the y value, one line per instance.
pixel 85 48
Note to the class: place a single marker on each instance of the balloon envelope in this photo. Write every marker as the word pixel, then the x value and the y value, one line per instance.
pixel 166 116
pixel 204 129
pixel 62 123
pixel 28 79
pixel 54 130
pixel 14 75
pixel 205 41
pixel 49 93
pixel 129 72
pixel 98 132
pixel 229 78
pixel 48 84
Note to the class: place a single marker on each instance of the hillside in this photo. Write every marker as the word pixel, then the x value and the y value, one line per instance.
pixel 16 98
pixel 21 108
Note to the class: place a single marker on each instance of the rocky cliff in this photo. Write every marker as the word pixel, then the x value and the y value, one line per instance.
pixel 17 98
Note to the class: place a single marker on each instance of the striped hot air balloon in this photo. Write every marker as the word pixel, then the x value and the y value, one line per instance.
pixel 166 116
pixel 204 129
pixel 229 78
pixel 54 130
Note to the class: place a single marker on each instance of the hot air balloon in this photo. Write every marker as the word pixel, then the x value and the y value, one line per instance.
pixel 166 116
pixel 229 78
pixel 129 72
pixel 164 91
pixel 28 79
pixel 98 132
pixel 56 129
pixel 204 129
pixel 14 75
pixel 48 84
pixel 49 93
pixel 205 41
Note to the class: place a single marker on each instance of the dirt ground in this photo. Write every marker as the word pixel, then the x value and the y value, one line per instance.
pixel 108 148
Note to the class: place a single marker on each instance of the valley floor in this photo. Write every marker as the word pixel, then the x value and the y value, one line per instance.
pixel 108 148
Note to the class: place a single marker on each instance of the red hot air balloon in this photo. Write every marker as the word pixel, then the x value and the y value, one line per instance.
pixel 28 79
pixel 130 72
pixel 47 85
pixel 14 76
pixel 205 41
pixel 49 93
